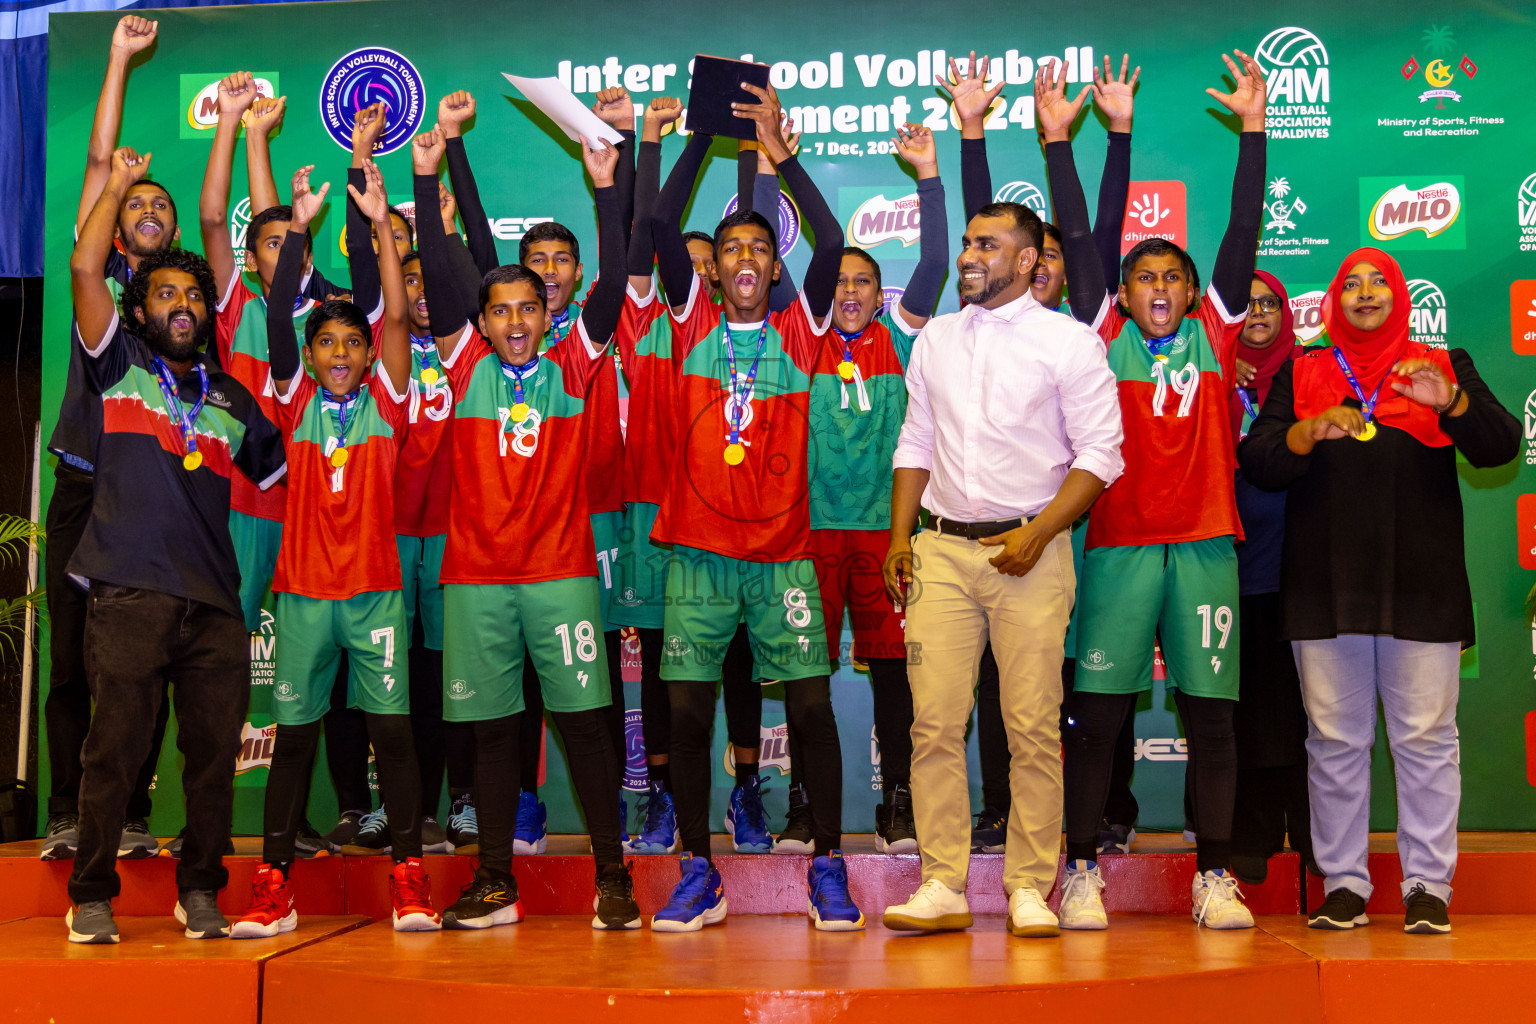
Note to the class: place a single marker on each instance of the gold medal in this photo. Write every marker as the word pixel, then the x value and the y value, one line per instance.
pixel 1161 358
pixel 519 412
pixel 734 453
pixel 429 375
pixel 339 457
pixel 1368 433
pixel 192 460
pixel 845 370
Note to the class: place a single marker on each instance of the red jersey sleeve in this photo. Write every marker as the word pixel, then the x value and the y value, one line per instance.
pixel 231 307
pixel 699 318
pixel 635 321
pixel 393 406
pixel 467 354
pixel 579 364
pixel 1109 321
pixel 1223 328
pixel 802 335
pixel 291 407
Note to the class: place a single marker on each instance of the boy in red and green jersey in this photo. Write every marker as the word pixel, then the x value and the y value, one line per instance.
pixel 513 580
pixel 338 574
pixel 1159 562
pixel 735 510
pixel 858 402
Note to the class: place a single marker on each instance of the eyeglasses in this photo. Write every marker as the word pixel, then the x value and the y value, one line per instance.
pixel 1265 304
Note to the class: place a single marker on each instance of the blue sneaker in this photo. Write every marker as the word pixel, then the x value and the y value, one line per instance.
pixel 532 833
pixel 745 820
pixel 698 900
pixel 830 906
pixel 658 827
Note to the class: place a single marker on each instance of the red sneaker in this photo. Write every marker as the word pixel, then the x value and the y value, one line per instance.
pixel 271 911
pixel 410 890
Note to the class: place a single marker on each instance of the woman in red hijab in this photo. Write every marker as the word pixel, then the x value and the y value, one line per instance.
pixel 1374 596
pixel 1269 720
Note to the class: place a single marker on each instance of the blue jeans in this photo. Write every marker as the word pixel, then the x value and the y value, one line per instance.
pixel 1418 684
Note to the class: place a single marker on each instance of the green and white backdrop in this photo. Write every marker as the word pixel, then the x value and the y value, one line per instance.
pixel 1434 99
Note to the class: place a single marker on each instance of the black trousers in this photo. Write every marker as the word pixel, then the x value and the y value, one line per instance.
pixel 532 722
pixel 1271 727
pixel 1120 806
pixel 136 640
pixel 67 712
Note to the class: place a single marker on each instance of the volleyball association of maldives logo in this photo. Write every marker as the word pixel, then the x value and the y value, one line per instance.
pixel 1023 192
pixel 788 224
pixel 1295 65
pixel 367 76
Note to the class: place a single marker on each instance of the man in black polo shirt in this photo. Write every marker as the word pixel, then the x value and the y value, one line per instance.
pixel 146 224
pixel 163 602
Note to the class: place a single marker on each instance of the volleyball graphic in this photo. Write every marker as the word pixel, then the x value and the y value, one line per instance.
pixel 1022 192
pixel 1290 47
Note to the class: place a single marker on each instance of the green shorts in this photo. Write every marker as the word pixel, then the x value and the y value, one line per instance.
pixel 606 528
pixel 640 576
pixel 312 633
pixel 1183 595
pixel 421 560
pixel 485 627
pixel 256 543
pixel 709 595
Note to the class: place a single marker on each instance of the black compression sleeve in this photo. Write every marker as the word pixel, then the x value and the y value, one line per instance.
pixel 624 181
pixel 671 251
pixel 600 313
pixel 765 200
pixel 465 279
pixel 933 250
pixel 1232 277
pixel 975 176
pixel 1085 274
pixel 361 262
pixel 282 343
pixel 746 180
pixel 642 251
pixel 827 257
pixel 477 230
pixel 1114 187
pixel 444 313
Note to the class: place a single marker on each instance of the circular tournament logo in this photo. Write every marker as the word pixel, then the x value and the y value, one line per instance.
pixel 637 778
pixel 1024 193
pixel 788 223
pixel 891 295
pixel 362 78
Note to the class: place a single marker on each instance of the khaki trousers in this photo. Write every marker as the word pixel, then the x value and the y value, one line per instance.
pixel 958 603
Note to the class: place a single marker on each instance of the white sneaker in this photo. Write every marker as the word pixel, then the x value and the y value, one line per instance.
pixel 935 907
pixel 1216 903
pixel 1029 917
pixel 1082 909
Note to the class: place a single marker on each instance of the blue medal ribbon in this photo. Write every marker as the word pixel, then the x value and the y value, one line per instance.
pixel 1242 395
pixel 744 394
pixel 425 350
pixel 516 374
pixel 1157 345
pixel 172 392
pixel 342 404
pixel 1367 405
pixel 560 324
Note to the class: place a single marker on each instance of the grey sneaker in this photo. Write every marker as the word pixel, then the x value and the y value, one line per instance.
pixel 91 922
pixel 62 839
pixel 198 910
pixel 136 843
pixel 308 843
pixel 434 839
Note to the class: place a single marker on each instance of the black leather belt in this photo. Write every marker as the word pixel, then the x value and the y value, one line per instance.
pixel 975 531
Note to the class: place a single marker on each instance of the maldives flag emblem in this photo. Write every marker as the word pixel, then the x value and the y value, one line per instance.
pixel 1411 68
pixel 1469 67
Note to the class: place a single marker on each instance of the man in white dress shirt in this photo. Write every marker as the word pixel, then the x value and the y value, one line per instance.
pixel 1012 430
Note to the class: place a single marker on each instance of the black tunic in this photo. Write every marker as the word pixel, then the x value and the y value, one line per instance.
pixel 1373 530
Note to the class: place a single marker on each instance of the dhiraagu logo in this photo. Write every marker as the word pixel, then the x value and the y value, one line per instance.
pixel 200 100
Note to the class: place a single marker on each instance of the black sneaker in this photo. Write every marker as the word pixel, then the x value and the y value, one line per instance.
pixel 197 910
pixel 91 922
pixel 433 838
pixel 1426 913
pixel 614 904
pixel 62 838
pixel 1341 911
pixel 1250 868
pixel 373 832
pixel 1115 838
pixel 135 842
pixel 991 832
pixel 463 828
pixel 308 843
pixel 797 836
pixel 173 848
pixel 485 903
pixel 346 828
pixel 895 830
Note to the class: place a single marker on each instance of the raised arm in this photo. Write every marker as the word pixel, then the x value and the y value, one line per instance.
pixel 600 314
pixel 282 342
pixel 765 200
pixel 1054 114
pixel 395 339
pixel 452 111
pixel 1115 97
pixel 641 257
pixel 446 316
pixel 915 144
pixel 132 35
pixel 616 109
pixel 972 99
pixel 236 94
pixel 1232 277
pixel 666 222
pixel 265 117
pixel 94 306
pixel 367 126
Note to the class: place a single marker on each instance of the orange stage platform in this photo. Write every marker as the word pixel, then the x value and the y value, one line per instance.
pixel 766 964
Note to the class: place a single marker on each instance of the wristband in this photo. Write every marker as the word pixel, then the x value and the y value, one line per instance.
pixel 1455 397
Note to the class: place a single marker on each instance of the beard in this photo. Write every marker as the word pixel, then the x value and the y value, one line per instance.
pixel 994 287
pixel 134 245
pixel 161 337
